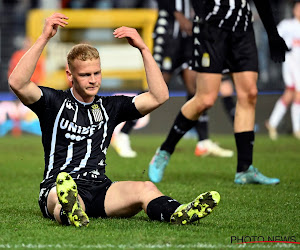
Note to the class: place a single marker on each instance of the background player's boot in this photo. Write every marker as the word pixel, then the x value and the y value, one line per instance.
pixel 197 209
pixel 297 135
pixel 121 143
pixel 208 147
pixel 157 165
pixel 67 194
pixel 272 131
pixel 253 176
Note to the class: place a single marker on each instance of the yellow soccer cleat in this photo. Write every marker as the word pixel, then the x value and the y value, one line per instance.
pixel 67 194
pixel 197 209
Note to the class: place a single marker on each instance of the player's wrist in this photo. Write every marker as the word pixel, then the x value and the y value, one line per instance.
pixel 44 39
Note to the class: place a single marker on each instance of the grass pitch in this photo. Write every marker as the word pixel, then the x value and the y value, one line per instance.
pixel 271 212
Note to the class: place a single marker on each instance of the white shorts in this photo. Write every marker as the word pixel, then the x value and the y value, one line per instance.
pixel 291 73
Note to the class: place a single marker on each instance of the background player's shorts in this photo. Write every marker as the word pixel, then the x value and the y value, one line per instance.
pixel 218 51
pixel 172 49
pixel 291 73
pixel 91 190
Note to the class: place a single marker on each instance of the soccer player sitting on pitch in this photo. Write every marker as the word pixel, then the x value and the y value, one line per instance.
pixel 77 126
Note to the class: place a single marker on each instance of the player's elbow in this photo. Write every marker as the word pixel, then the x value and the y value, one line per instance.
pixel 15 83
pixel 12 82
pixel 163 98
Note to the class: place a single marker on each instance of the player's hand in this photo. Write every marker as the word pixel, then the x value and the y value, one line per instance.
pixel 52 23
pixel 278 48
pixel 132 36
pixel 185 24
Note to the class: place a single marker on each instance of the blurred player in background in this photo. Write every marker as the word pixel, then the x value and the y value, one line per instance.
pixel 224 39
pixel 77 126
pixel 24 120
pixel 289 29
pixel 172 51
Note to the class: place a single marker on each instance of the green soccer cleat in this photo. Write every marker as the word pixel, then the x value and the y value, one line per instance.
pixel 67 194
pixel 197 209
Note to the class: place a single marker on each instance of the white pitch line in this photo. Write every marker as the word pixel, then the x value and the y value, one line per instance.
pixel 151 246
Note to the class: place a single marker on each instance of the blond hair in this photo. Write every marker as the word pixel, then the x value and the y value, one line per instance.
pixel 82 52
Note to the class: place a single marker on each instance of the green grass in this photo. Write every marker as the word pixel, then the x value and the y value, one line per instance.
pixel 250 210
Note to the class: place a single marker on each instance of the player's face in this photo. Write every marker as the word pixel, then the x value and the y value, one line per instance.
pixel 297 11
pixel 86 78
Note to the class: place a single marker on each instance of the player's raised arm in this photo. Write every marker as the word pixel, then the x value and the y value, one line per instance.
pixel 19 80
pixel 158 92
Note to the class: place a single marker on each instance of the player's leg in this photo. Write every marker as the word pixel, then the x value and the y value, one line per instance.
pixel 245 83
pixel 206 94
pixel 121 140
pixel 205 146
pixel 295 113
pixel 284 101
pixel 226 92
pixel 127 198
pixel 279 111
pixel 295 109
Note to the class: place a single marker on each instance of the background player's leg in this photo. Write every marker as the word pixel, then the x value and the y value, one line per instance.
pixel 245 84
pixel 206 94
pixel 295 113
pixel 278 112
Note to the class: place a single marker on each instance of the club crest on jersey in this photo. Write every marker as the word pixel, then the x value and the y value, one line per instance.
pixel 97 113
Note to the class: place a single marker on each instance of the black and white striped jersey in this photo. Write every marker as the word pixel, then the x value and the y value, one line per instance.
pixel 234 15
pixel 183 6
pixel 75 135
pixel 166 21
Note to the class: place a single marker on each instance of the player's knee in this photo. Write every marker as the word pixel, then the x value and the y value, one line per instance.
pixel 205 103
pixel 149 186
pixel 253 93
pixel 249 97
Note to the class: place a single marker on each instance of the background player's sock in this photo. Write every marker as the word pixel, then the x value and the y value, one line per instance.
pixel 180 126
pixel 229 106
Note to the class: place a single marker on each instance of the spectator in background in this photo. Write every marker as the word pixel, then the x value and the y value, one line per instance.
pixel 289 29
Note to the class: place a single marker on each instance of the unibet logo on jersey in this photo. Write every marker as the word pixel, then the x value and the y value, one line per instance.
pixel 205 60
pixel 97 113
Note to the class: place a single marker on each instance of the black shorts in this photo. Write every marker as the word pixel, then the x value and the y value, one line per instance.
pixel 172 49
pixel 91 191
pixel 221 51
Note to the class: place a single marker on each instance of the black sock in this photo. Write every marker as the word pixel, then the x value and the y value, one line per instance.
pixel 244 144
pixel 128 126
pixel 202 126
pixel 162 208
pixel 229 106
pixel 180 126
pixel 64 218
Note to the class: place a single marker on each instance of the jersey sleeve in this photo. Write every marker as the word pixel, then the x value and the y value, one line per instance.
pixel 126 110
pixel 49 97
